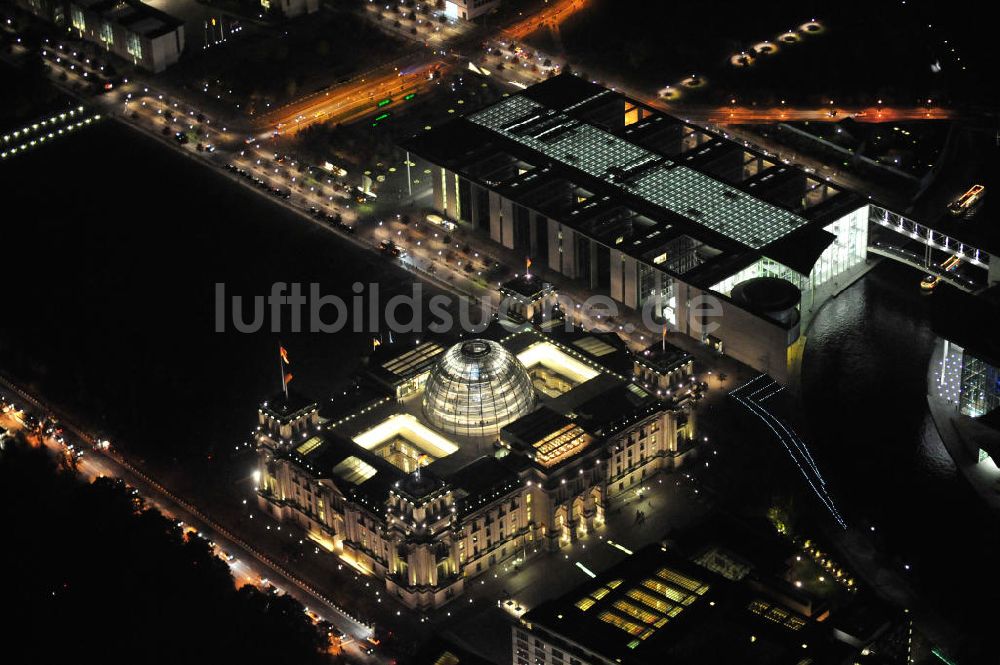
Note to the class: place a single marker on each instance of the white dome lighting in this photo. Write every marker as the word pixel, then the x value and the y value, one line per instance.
pixel 476 388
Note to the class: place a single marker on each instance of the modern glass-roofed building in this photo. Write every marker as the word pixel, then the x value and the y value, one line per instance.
pixel 647 209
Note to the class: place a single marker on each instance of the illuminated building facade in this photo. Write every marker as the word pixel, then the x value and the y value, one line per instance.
pixel 130 29
pixel 467 10
pixel 375 477
pixel 290 8
pixel 654 212
pixel 969 373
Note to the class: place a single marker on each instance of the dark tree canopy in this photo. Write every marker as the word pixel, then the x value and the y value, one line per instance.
pixel 92 575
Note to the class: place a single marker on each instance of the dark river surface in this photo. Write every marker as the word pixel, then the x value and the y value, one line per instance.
pixel 113 245
pixel 864 387
pixel 112 261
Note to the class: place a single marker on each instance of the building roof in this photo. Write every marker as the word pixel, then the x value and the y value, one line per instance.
pixel 285 408
pixel 390 364
pixel 441 651
pixel 655 607
pixel 549 439
pixel 660 190
pixel 527 285
pixel 483 481
pixel 662 357
pixel 603 408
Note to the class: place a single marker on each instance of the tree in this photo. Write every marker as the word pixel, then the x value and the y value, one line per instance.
pixel 95 558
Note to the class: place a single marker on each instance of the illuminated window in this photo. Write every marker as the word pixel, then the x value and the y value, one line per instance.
pixel 134 46
pixel 77 19
pixel 107 34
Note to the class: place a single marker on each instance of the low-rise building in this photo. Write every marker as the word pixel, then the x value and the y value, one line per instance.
pixel 658 606
pixel 141 34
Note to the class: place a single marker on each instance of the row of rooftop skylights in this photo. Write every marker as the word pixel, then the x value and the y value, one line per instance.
pixel 679 189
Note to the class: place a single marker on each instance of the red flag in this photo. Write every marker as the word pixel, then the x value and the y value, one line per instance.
pixel 284 355
pixel 288 378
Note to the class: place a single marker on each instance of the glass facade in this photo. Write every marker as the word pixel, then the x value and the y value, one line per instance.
pixel 980 392
pixel 107 34
pixel 134 46
pixel 76 18
pixel 658 287
pixel 476 388
pixel 849 249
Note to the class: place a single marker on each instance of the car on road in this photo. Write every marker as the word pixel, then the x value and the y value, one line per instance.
pixel 390 248
pixel 181 138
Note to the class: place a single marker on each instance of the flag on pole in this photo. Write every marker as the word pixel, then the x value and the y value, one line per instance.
pixel 376 342
pixel 527 265
pixel 282 362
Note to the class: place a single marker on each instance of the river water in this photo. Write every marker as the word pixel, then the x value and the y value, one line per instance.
pixel 111 265
pixel 864 387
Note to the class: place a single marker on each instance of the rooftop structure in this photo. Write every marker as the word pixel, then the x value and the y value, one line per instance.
pixel 646 208
pixel 647 185
pixel 637 170
pixel 476 388
pixel 131 29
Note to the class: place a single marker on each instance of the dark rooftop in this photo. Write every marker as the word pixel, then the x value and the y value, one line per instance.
pixel 526 285
pixel 654 189
pixel 285 408
pixel 656 607
pixel 663 357
pixel 133 15
pixel 483 479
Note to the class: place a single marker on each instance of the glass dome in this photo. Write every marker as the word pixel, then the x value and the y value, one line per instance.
pixel 476 388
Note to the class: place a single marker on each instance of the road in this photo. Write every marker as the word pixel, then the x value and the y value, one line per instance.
pixel 743 115
pixel 551 16
pixel 354 99
pixel 247 565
